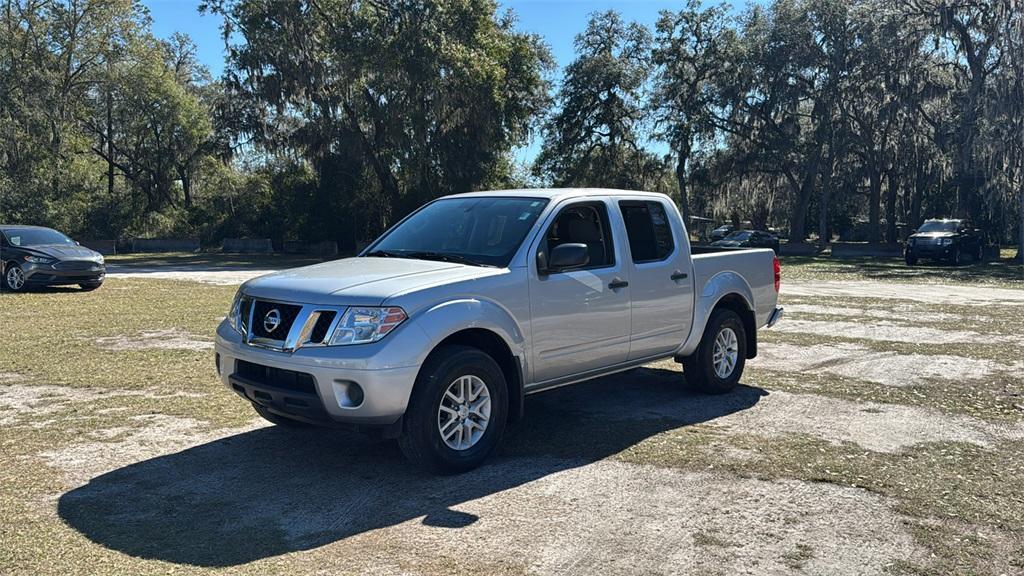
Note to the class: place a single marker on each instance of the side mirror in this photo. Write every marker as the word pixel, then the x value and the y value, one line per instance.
pixel 563 257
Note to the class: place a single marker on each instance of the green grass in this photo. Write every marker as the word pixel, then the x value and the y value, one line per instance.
pixel 1002 272
pixel 963 503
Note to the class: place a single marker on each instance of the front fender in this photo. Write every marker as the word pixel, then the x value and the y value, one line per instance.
pixel 715 289
pixel 442 320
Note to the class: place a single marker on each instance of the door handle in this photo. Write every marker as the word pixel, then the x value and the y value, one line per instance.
pixel 677 275
pixel 617 283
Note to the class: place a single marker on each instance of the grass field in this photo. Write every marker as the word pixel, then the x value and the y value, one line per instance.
pixel 880 431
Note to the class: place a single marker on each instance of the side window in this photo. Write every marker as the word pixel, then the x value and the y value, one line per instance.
pixel 584 224
pixel 650 235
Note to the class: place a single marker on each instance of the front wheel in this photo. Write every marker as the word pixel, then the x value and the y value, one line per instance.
pixel 717 365
pixel 14 278
pixel 457 412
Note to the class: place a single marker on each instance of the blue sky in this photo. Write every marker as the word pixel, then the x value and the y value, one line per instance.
pixel 558 21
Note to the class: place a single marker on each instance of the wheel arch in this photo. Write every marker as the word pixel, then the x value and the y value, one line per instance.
pixel 488 327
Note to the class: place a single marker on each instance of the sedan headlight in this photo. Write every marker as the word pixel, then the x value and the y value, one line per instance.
pixel 39 260
pixel 364 324
pixel 945 241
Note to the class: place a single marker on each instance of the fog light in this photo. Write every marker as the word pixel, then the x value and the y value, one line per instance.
pixel 348 393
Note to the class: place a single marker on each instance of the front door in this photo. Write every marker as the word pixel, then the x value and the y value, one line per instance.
pixel 579 318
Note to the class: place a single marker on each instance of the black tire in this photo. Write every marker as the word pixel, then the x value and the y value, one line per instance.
pixel 911 260
pixel 7 285
pixel 89 287
pixel 699 368
pixel 957 258
pixel 421 440
pixel 279 420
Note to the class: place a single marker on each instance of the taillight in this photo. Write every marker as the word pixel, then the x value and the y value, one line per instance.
pixel 778 273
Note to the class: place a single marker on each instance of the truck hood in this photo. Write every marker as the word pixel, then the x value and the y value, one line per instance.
pixel 364 281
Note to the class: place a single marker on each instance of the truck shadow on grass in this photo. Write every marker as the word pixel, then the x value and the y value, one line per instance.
pixel 272 491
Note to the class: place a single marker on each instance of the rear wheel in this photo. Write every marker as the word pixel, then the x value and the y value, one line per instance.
pixel 456 415
pixel 278 420
pixel 717 365
pixel 14 278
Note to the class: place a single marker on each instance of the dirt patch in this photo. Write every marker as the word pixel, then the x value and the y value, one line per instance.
pixel 927 293
pixel 142 437
pixel 218 277
pixel 33 404
pixel 615 518
pixel 250 493
pixel 171 339
pixel 871 425
pixel 904 312
pixel 887 332
pixel 863 363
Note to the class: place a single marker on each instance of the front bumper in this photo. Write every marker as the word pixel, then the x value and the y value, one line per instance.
pixel 384 380
pixel 930 251
pixel 49 275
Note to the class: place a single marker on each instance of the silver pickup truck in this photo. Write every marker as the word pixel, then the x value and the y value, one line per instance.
pixel 437 331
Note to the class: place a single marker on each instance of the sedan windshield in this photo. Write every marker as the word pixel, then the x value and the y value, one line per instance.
pixel 36 237
pixel 739 235
pixel 940 226
pixel 482 231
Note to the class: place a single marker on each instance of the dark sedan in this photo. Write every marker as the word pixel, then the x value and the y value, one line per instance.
pixel 946 239
pixel 31 256
pixel 749 239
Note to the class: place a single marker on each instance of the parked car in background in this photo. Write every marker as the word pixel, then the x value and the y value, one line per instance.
pixel 945 239
pixel 749 239
pixel 437 331
pixel 721 232
pixel 31 256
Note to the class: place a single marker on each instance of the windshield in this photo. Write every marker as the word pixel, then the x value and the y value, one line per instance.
pixel 740 235
pixel 940 226
pixel 36 237
pixel 484 231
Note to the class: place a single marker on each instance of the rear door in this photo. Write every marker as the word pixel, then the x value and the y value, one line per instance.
pixel 660 278
pixel 580 318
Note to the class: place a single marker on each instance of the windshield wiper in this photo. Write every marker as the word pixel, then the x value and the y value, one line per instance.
pixel 385 254
pixel 444 257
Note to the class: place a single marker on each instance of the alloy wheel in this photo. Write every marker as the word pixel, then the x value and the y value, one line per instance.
pixel 15 278
pixel 726 352
pixel 464 412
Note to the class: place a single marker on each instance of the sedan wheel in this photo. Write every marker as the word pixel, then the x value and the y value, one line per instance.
pixel 14 278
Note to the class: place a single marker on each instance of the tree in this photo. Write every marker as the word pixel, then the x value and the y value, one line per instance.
pixel 593 139
pixel 425 96
pixel 692 48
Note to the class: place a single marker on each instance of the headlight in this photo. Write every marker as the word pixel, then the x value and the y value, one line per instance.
pixel 39 260
pixel 362 325
pixel 233 313
pixel 945 241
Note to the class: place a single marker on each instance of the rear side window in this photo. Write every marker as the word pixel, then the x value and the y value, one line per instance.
pixel 650 236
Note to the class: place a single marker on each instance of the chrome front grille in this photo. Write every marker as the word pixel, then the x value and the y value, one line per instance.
pixel 293 326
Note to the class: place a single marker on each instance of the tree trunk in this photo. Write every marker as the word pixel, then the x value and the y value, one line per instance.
pixel 684 201
pixel 824 237
pixel 890 207
pixel 1020 246
pixel 874 201
pixel 917 196
pixel 110 142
